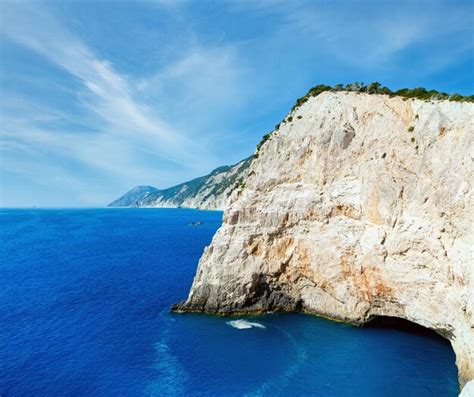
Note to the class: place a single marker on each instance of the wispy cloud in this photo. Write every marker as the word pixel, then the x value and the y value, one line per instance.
pixel 127 131
pixel 160 91
pixel 108 93
pixel 208 84
pixel 371 34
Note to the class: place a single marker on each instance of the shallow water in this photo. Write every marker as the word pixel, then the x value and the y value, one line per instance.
pixel 84 311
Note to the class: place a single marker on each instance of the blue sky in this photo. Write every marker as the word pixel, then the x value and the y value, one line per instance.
pixel 98 97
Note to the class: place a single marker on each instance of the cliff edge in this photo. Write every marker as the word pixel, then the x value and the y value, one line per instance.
pixel 208 192
pixel 357 206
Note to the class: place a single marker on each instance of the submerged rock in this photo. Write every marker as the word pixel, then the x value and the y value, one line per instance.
pixel 357 206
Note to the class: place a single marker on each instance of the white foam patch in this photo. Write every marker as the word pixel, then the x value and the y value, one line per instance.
pixel 244 324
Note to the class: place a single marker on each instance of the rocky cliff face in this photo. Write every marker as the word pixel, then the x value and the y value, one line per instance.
pixel 358 206
pixel 133 197
pixel 210 192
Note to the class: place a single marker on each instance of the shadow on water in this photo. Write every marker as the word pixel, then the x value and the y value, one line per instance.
pixel 403 325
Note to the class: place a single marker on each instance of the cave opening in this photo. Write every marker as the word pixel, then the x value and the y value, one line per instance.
pixel 401 324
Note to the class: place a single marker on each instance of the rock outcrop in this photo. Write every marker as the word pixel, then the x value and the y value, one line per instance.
pixel 358 206
pixel 209 192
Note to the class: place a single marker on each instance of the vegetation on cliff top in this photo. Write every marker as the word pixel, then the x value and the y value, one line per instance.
pixel 372 88
pixel 377 88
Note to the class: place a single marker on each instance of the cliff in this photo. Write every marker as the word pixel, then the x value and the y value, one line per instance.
pixel 357 206
pixel 133 197
pixel 209 192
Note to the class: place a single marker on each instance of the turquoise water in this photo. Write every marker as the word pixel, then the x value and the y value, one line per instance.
pixel 84 312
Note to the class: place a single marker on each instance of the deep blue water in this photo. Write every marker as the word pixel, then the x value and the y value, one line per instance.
pixel 84 298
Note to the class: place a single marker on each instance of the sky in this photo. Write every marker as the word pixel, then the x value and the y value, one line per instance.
pixel 97 97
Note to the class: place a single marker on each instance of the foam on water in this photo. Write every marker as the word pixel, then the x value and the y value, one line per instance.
pixel 244 324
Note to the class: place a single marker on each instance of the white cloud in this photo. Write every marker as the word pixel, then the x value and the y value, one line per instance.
pixel 369 34
pixel 108 93
pixel 125 129
pixel 206 84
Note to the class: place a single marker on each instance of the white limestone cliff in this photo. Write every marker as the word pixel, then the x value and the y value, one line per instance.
pixel 360 206
pixel 212 194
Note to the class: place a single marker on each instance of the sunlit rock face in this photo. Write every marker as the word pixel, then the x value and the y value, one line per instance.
pixel 359 206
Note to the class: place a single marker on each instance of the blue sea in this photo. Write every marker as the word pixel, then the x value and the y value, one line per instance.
pixel 84 311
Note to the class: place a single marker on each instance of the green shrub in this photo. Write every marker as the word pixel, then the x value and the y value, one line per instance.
pixel 411 129
pixel 456 98
pixel 385 91
pixel 373 88
pixel 265 138
pixel 376 88
pixel 318 89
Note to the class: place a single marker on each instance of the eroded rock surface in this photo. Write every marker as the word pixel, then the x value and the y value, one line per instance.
pixel 360 206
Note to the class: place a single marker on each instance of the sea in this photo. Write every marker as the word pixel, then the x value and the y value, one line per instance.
pixel 84 311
